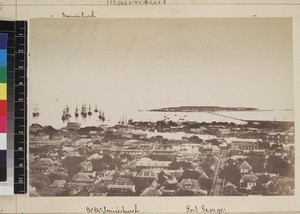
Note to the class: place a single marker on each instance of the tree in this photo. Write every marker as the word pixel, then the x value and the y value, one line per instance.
pixel 257 162
pixel 195 139
pixel 192 174
pixel 181 164
pixel 72 164
pixel 276 165
pixel 161 177
pixel 231 173
pixel 207 164
pixel 57 176
pixel 206 183
pixel 127 156
pixel 40 181
pixel 185 193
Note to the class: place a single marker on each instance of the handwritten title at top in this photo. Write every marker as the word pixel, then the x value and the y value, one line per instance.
pixel 136 2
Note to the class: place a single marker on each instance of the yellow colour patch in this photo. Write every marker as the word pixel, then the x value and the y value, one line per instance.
pixel 3 91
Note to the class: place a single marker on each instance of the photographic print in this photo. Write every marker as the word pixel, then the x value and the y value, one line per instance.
pixel 161 107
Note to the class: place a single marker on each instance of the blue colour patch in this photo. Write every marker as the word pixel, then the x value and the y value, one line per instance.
pixel 3 57
pixel 3 41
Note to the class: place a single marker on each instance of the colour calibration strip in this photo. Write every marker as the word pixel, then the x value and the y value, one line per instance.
pixel 16 89
pixel 3 107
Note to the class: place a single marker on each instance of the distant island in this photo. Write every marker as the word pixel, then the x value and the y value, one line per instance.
pixel 203 109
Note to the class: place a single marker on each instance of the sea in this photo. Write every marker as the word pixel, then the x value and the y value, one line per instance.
pixel 52 116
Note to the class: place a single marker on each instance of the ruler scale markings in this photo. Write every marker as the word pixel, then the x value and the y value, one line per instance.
pixel 17 86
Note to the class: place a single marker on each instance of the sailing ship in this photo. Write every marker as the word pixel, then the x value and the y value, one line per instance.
pixel 89 112
pixel 66 114
pixel 101 116
pixel 35 112
pixel 63 117
pixel 83 111
pixel 123 120
pixel 96 109
pixel 76 112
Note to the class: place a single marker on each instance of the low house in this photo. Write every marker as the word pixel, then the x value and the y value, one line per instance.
pixel 96 145
pixel 235 150
pixel 210 148
pixel 72 135
pixel 92 134
pixel 68 149
pixel 190 187
pixel 94 157
pixel 99 189
pixel 121 186
pixel 280 137
pixel 89 174
pixel 230 189
pixel 248 181
pixel 169 188
pixel 147 175
pixel 136 152
pixel 42 136
pixel 138 134
pixel 203 176
pixel 245 144
pixel 57 136
pixel 74 188
pixel 58 183
pixel 106 175
pixel 31 137
pixel 151 192
pixel 189 184
pixel 74 154
pixel 87 166
pixel 83 179
pixel 175 173
pixel 224 131
pixel 45 162
pixel 122 134
pixel 147 163
pixel 73 126
pixel 186 148
pixel 245 168
pixel 35 127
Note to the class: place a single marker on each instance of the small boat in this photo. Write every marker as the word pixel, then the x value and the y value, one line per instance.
pixel 83 111
pixel 76 113
pixel 89 112
pixel 35 112
pixel 101 116
pixel 96 110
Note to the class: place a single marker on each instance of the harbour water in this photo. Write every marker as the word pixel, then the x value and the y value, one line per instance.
pixel 52 116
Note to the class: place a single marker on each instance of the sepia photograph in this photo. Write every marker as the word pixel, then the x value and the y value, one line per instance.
pixel 161 107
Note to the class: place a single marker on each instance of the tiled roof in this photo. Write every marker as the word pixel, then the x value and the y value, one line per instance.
pixel 147 173
pixel 249 177
pixel 41 134
pixel 186 182
pixel 45 161
pixel 203 176
pixel 245 165
pixel 95 156
pixel 151 192
pixel 82 177
pixel 59 182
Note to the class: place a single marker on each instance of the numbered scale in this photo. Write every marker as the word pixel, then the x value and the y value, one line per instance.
pixel 20 117
pixel 17 99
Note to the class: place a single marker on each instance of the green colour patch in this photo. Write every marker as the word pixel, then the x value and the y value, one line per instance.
pixel 3 75
pixel 3 69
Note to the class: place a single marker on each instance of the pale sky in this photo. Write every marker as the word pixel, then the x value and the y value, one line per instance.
pixel 145 64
